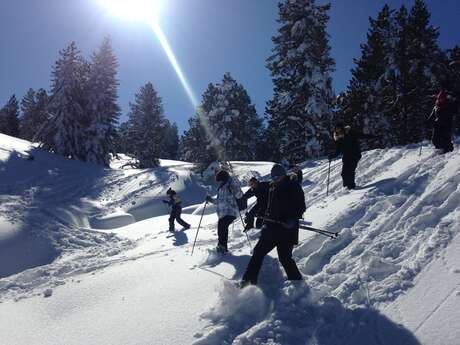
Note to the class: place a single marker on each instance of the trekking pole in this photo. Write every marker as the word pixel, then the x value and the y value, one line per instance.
pixel 328 176
pixel 199 224
pixel 242 224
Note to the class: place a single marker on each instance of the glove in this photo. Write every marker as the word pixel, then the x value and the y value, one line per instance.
pixel 208 198
pixel 249 222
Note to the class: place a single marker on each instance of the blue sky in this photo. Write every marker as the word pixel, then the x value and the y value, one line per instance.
pixel 209 38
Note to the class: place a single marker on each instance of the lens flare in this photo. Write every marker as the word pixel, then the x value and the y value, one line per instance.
pixel 148 11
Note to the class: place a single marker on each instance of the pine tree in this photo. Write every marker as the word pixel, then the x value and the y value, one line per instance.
pixel 146 126
pixel 9 117
pixel 420 60
pixel 195 146
pixel 102 106
pixel 34 116
pixel 170 141
pixel 370 98
pixel 453 78
pixel 300 111
pixel 64 132
pixel 233 126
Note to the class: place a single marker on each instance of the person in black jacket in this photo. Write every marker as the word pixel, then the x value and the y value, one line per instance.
pixel 347 144
pixel 176 210
pixel 260 190
pixel 286 205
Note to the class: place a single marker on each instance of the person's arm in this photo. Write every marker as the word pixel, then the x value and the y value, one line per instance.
pixel 235 189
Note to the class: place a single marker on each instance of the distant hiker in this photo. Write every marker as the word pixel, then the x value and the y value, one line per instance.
pixel 176 210
pixel 441 120
pixel 347 144
pixel 286 205
pixel 227 208
pixel 260 190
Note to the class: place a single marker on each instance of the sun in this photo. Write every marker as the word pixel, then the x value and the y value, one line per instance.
pixel 137 10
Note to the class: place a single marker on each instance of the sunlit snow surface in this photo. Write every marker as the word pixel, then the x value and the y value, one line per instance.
pixel 85 256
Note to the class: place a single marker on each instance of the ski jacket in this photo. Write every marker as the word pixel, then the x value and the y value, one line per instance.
pixel 348 146
pixel 286 204
pixel 261 193
pixel 225 201
pixel 174 200
pixel 445 108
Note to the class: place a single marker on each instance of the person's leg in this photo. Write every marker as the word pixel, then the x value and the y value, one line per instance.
pixel 262 248
pixel 346 172
pixel 343 175
pixel 351 182
pixel 180 220
pixel 285 256
pixel 172 216
pixel 222 230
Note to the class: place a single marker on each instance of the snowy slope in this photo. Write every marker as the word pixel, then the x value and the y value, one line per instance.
pixel 103 269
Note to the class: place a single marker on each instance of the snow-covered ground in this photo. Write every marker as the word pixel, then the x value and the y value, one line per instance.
pixel 86 258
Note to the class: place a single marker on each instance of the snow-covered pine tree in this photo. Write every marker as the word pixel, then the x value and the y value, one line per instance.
pixel 9 117
pixel 454 81
pixel 420 60
pixel 231 120
pixel 300 111
pixel 102 106
pixel 368 101
pixel 146 126
pixel 122 142
pixel 33 109
pixel 170 141
pixel 195 146
pixel 65 129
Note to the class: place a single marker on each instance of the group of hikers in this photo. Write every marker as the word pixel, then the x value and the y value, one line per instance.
pixel 281 202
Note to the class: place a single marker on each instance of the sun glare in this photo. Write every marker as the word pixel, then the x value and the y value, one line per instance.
pixel 138 10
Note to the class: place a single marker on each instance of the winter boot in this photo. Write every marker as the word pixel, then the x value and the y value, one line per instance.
pixel 221 249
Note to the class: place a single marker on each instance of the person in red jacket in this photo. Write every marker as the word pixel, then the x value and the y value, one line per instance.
pixel 441 119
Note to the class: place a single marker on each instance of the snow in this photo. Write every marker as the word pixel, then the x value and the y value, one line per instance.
pixel 86 256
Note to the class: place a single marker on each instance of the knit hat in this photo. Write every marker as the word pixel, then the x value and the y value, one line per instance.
pixel 277 171
pixel 170 191
pixel 222 176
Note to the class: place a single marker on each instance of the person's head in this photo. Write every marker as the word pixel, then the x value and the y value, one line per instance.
pixel 222 176
pixel 339 131
pixel 253 183
pixel 170 192
pixel 277 173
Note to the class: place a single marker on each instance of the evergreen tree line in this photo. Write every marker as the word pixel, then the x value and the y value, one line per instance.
pixel 389 96
pixel 394 82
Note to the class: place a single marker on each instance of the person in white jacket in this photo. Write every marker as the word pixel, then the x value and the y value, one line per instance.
pixel 227 207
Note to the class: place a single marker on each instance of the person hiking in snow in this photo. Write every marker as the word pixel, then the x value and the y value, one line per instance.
pixel 260 190
pixel 176 210
pixel 285 206
pixel 347 144
pixel 227 208
pixel 441 119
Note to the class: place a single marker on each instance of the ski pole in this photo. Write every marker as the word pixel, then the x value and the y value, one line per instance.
pixel 199 224
pixel 319 231
pixel 309 228
pixel 328 176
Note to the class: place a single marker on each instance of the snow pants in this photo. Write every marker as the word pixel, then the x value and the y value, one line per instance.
pixel 175 216
pixel 442 138
pixel 222 230
pixel 270 239
pixel 348 172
